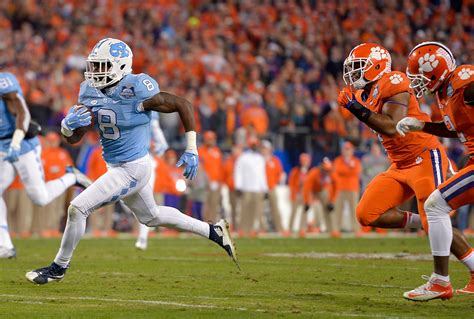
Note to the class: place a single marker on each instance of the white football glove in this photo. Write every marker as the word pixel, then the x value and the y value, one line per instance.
pixel 409 124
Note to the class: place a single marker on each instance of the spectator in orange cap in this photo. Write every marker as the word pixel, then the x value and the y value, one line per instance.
pixel 211 158
pixel 347 171
pixel 251 181
pixel 319 191
pixel 47 219
pixel 274 171
pixel 229 166
pixel 296 181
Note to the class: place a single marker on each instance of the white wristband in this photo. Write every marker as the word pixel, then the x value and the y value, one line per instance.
pixel 65 131
pixel 18 136
pixel 191 146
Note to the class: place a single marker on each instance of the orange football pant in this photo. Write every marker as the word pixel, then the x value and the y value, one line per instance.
pixel 459 189
pixel 396 185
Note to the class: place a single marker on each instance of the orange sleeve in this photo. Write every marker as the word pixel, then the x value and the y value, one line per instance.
pixel 358 168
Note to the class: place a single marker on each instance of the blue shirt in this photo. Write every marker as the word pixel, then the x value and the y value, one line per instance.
pixel 9 84
pixel 124 128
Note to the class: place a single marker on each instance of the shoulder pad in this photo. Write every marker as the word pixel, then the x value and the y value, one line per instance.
pixel 462 76
pixel 393 83
pixel 145 86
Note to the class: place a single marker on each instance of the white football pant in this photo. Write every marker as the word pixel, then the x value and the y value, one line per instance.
pixel 143 230
pixel 30 169
pixel 128 182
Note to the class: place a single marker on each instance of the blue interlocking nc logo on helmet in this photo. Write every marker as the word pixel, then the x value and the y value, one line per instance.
pixel 119 50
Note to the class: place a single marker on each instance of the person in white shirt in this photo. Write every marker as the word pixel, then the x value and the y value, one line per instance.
pixel 251 181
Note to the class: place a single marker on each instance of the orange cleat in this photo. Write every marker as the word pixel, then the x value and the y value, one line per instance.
pixel 469 288
pixel 433 289
pixel 335 234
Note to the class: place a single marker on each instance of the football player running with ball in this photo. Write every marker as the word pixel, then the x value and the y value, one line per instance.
pixel 432 69
pixel 380 98
pixel 122 104
pixel 20 153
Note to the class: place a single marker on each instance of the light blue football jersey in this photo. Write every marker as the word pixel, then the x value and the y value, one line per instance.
pixel 9 84
pixel 124 128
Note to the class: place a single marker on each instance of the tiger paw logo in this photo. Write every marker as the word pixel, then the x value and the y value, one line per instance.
pixel 396 79
pixel 428 62
pixel 378 53
pixel 465 73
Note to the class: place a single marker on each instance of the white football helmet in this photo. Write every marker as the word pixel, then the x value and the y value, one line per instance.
pixel 109 61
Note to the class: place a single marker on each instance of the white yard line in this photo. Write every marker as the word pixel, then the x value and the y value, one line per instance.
pixel 121 302
pixel 382 256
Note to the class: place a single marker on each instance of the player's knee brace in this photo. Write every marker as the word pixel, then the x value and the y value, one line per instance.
pixel 436 206
pixel 74 213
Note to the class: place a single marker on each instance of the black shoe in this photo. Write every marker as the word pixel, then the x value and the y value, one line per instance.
pixel 220 234
pixel 48 274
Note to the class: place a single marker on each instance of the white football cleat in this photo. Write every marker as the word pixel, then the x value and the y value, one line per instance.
pixel 434 289
pixel 141 244
pixel 7 253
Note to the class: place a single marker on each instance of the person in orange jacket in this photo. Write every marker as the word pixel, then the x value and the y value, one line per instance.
pixel 319 192
pixel 47 219
pixel 274 171
pixel 229 165
pixel 171 180
pixel 347 172
pixel 295 183
pixel 211 157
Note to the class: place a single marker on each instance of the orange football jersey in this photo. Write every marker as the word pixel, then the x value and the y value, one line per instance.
pixel 456 114
pixel 403 151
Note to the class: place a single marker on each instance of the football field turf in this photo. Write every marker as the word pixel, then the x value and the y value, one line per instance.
pixel 193 278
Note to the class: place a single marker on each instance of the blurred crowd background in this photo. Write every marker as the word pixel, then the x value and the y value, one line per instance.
pixel 268 70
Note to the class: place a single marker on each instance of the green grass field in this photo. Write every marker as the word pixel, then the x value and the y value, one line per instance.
pixel 192 278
